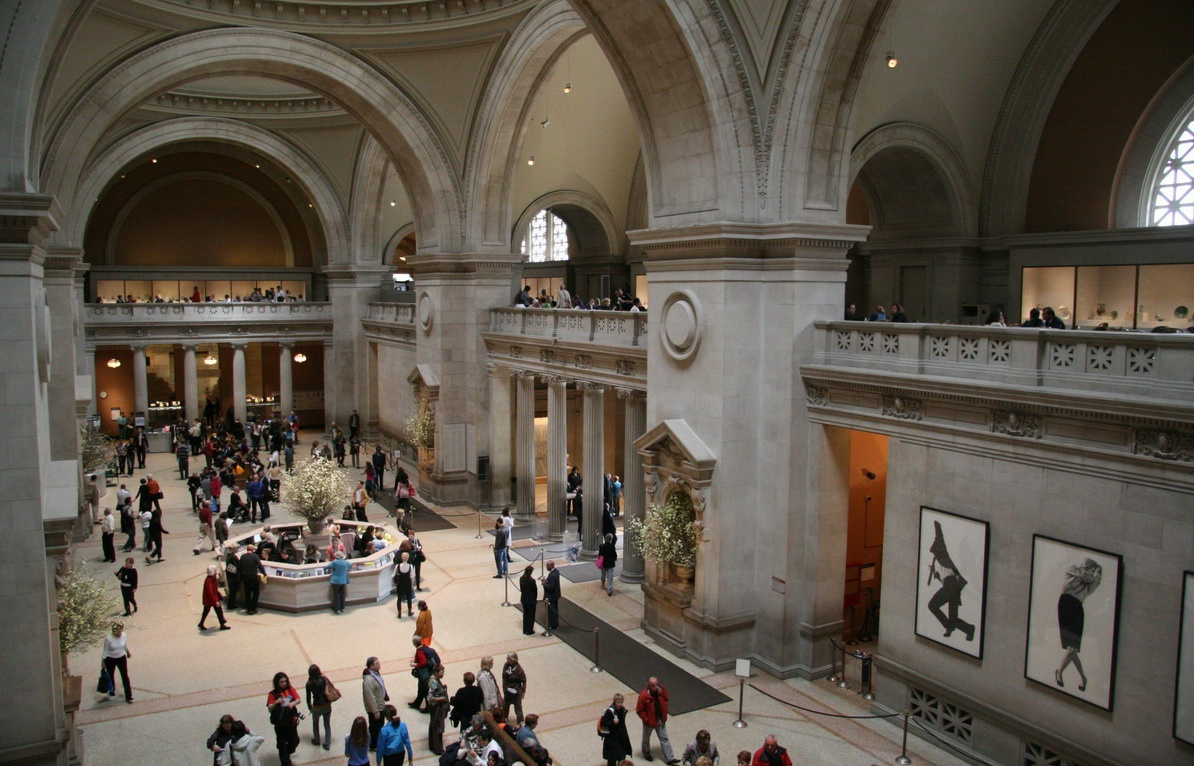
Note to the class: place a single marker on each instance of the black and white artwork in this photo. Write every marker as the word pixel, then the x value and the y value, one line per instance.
pixel 951 585
pixel 1073 619
pixel 1183 698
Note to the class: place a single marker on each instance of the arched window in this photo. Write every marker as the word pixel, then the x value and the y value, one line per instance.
pixel 1172 193
pixel 546 239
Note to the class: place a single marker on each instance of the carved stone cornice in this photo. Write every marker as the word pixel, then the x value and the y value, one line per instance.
pixel 1166 445
pixel 27 219
pixel 902 407
pixel 339 15
pixel 1012 423
pixel 745 241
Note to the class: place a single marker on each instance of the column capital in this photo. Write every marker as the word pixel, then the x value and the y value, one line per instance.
pixel 285 344
pixel 591 385
pixel 191 347
pixel 497 370
pixel 630 393
pixel 524 374
pixel 550 378
pixel 240 345
pixel 138 347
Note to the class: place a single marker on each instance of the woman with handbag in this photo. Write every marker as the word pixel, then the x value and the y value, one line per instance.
pixel 321 693
pixel 283 702
pixel 403 491
pixel 607 559
pixel 116 654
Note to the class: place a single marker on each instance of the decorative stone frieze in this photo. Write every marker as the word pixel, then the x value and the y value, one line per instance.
pixel 1016 424
pixel 547 356
pixel 583 362
pixel 816 396
pixel 902 407
pixel 626 367
pixel 1166 445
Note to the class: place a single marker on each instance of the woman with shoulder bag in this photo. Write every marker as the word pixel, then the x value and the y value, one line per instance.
pixel 320 693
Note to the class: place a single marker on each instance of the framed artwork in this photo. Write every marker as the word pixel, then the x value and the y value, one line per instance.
pixel 951 584
pixel 1073 620
pixel 1183 697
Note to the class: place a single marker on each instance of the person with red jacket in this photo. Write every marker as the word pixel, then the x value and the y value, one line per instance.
pixel 211 600
pixel 652 710
pixel 771 754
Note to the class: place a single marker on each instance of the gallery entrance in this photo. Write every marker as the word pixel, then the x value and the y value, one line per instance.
pixel 863 571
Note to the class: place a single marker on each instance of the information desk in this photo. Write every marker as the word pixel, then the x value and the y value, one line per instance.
pixel 306 587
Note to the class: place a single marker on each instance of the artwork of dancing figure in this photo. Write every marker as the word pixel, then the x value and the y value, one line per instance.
pixel 1080 581
pixel 943 569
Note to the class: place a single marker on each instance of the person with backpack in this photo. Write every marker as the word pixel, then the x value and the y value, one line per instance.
pixel 615 739
pixel 501 543
pixel 421 666
pixel 320 693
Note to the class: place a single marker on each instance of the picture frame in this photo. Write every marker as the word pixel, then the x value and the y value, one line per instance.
pixel 1183 694
pixel 1073 620
pixel 951 580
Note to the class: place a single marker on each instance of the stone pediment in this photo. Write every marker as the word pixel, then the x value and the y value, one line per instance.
pixel 423 378
pixel 674 447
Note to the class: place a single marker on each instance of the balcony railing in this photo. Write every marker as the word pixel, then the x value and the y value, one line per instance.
pixel 607 328
pixel 1138 365
pixel 397 313
pixel 96 314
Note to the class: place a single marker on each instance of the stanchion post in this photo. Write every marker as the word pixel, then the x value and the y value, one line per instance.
pixel 479 535
pixel 867 668
pixel 506 598
pixel 833 677
pixel 742 670
pixel 842 683
pixel 903 759
pixel 596 651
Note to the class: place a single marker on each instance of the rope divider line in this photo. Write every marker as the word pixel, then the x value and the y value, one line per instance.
pixel 821 712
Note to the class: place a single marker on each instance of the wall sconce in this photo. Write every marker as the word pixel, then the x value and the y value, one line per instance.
pixel 300 357
pixel 892 61
pixel 209 360
pixel 113 363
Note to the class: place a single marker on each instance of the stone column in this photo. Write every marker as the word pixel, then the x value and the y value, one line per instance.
pixel 190 384
pixel 594 470
pixel 330 384
pixel 140 382
pixel 557 454
pixel 89 366
pixel 285 379
pixel 501 410
pixel 238 382
pixel 633 502
pixel 524 441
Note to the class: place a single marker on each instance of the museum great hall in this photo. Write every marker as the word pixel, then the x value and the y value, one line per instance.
pixel 401 169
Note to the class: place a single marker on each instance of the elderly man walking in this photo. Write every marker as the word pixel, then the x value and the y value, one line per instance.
pixel 652 710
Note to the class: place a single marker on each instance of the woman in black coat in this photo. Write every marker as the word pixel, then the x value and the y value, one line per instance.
pixel 529 597
pixel 608 554
pixel 615 743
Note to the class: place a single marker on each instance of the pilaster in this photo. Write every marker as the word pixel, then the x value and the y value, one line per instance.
pixel 524 443
pixel 594 467
pixel 557 454
pixel 501 413
pixel 633 504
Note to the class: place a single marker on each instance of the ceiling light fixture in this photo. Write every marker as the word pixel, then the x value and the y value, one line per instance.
pixel 209 360
pixel 531 160
pixel 393 203
pixel 113 363
pixel 300 357
pixel 546 121
pixel 892 61
pixel 567 87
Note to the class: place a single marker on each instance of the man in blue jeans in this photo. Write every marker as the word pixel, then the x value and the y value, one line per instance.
pixel 501 549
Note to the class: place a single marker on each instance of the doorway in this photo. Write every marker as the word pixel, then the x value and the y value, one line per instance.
pixel 864 536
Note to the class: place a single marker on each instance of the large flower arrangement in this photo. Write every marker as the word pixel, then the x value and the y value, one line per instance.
pixel 96 450
pixel 420 429
pixel 669 534
pixel 84 609
pixel 316 489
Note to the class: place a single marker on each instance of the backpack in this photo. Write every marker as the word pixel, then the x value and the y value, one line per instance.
pixel 432 656
pixel 601 730
pixel 449 756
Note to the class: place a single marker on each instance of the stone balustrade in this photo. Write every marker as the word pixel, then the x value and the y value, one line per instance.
pixel 606 328
pixel 1137 365
pixel 205 313
pixel 396 313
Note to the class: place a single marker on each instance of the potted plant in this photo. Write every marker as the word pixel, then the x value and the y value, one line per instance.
pixel 84 611
pixel 668 534
pixel 315 490
pixel 419 432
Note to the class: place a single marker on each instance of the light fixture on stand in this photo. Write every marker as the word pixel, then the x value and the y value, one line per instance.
pixel 300 357
pixel 210 360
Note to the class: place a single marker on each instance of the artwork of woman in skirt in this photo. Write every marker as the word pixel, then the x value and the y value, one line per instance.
pixel 1080 581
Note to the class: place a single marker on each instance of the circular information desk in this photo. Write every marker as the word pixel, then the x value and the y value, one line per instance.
pixel 306 587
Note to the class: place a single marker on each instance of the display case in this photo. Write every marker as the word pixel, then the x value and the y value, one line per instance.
pixel 1119 297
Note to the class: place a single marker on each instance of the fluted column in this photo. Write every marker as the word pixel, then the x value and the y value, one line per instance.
pixel 594 470
pixel 285 379
pixel 238 382
pixel 190 384
pixel 501 410
pixel 524 441
pixel 140 382
pixel 633 503
pixel 557 454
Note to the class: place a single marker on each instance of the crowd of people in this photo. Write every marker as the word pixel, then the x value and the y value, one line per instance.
pixel 268 295
pixel 622 300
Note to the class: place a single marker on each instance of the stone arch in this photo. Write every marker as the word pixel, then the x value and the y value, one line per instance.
pixel 898 157
pixel 382 108
pixel 395 241
pixel 29 27
pixel 1138 167
pixel 310 176
pixel 588 216
pixel 367 185
pixel 1038 78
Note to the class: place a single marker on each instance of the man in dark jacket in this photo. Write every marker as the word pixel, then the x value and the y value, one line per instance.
pixel 249 568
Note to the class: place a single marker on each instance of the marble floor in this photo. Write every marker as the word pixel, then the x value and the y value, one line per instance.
pixel 185 679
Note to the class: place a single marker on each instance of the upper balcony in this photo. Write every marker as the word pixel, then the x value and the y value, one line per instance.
pixel 1133 365
pixel 194 322
pixel 606 328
